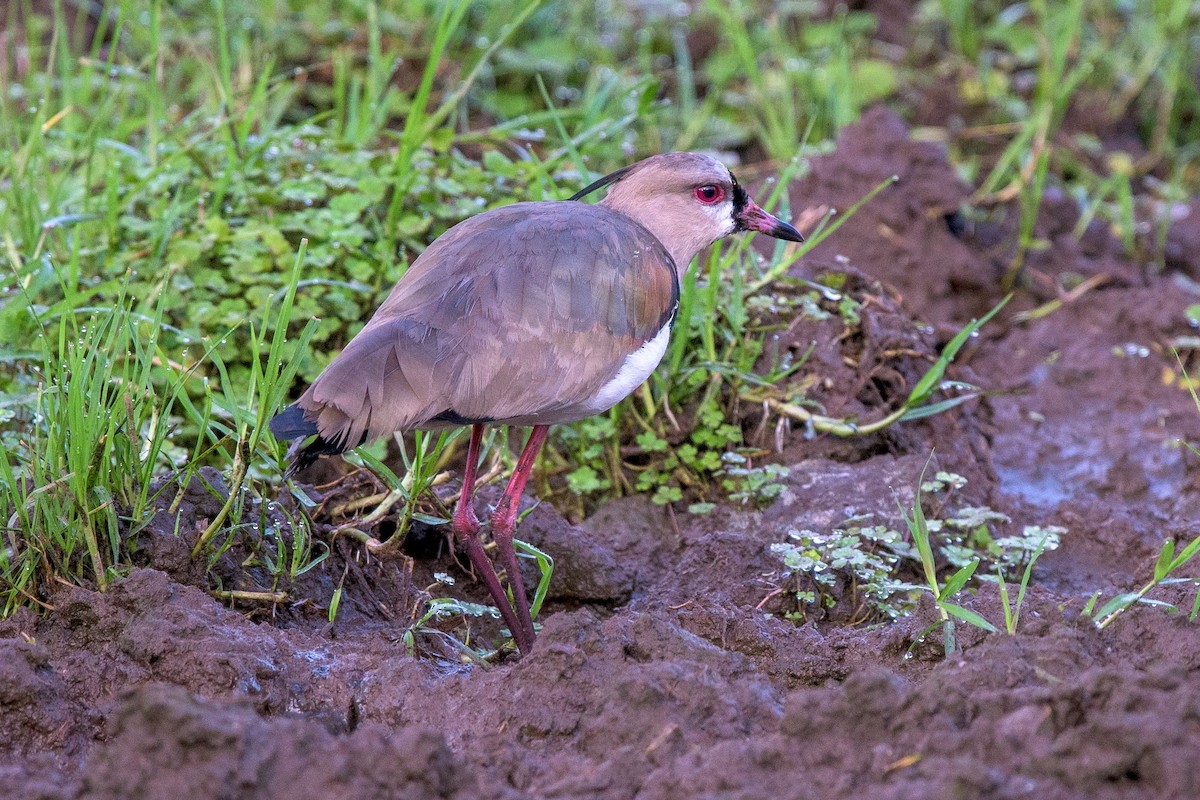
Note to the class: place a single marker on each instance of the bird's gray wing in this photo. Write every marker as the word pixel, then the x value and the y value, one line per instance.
pixel 515 314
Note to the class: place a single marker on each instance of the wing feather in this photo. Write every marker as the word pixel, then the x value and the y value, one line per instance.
pixel 518 314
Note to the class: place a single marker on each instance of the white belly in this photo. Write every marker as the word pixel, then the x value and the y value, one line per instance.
pixel 633 372
pixel 637 367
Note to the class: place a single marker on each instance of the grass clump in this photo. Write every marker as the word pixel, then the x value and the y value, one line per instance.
pixel 83 469
pixel 86 471
pixel 1049 80
pixel 808 76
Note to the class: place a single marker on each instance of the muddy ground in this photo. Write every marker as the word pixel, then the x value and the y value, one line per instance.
pixel 664 669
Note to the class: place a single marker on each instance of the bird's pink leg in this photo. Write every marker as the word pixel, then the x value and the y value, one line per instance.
pixel 504 520
pixel 466 529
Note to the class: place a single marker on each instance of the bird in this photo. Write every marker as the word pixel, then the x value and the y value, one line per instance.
pixel 531 314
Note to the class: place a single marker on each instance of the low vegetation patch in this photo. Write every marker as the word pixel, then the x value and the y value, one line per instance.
pixel 866 570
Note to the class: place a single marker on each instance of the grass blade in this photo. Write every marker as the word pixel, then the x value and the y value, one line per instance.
pixel 933 377
pixel 968 616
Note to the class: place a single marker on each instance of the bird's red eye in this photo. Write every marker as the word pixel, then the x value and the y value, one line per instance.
pixel 709 194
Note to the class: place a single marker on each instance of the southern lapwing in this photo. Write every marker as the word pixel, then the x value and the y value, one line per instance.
pixel 531 314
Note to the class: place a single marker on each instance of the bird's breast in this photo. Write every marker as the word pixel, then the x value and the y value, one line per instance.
pixel 636 368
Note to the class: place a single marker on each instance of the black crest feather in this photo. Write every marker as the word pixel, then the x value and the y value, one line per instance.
pixel 611 177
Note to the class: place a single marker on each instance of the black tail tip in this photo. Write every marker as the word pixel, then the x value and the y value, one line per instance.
pixel 301 458
pixel 292 424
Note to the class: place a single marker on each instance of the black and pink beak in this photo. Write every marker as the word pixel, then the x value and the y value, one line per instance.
pixel 749 216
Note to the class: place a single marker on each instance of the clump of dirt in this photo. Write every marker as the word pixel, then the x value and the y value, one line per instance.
pixel 860 355
pixel 664 668
pixel 231 748
pixel 907 237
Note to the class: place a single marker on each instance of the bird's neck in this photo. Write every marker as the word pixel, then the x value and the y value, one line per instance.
pixel 666 227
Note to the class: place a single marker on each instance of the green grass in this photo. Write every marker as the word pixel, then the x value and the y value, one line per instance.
pixel 1011 606
pixel 1168 562
pixel 102 427
pixel 1111 61
pixel 235 415
pixel 942 591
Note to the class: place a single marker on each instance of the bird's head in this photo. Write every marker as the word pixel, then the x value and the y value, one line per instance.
pixel 688 201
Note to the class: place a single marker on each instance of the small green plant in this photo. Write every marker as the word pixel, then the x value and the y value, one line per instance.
pixel 878 574
pixel 287 549
pixel 942 592
pixel 691 463
pixel 865 555
pixel 748 485
pixel 545 571
pixel 962 27
pixel 967 534
pixel 335 601
pixel 1012 609
pixel 1165 565
pixel 442 609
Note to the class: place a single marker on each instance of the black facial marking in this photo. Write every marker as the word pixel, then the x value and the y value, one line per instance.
pixel 740 200
pixel 612 177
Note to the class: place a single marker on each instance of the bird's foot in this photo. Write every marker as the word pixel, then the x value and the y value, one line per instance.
pixel 502 533
pixel 466 530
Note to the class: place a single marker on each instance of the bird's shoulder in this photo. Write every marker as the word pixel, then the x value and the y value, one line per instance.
pixel 546 261
pixel 553 230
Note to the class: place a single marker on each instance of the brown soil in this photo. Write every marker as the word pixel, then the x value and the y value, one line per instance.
pixel 664 669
